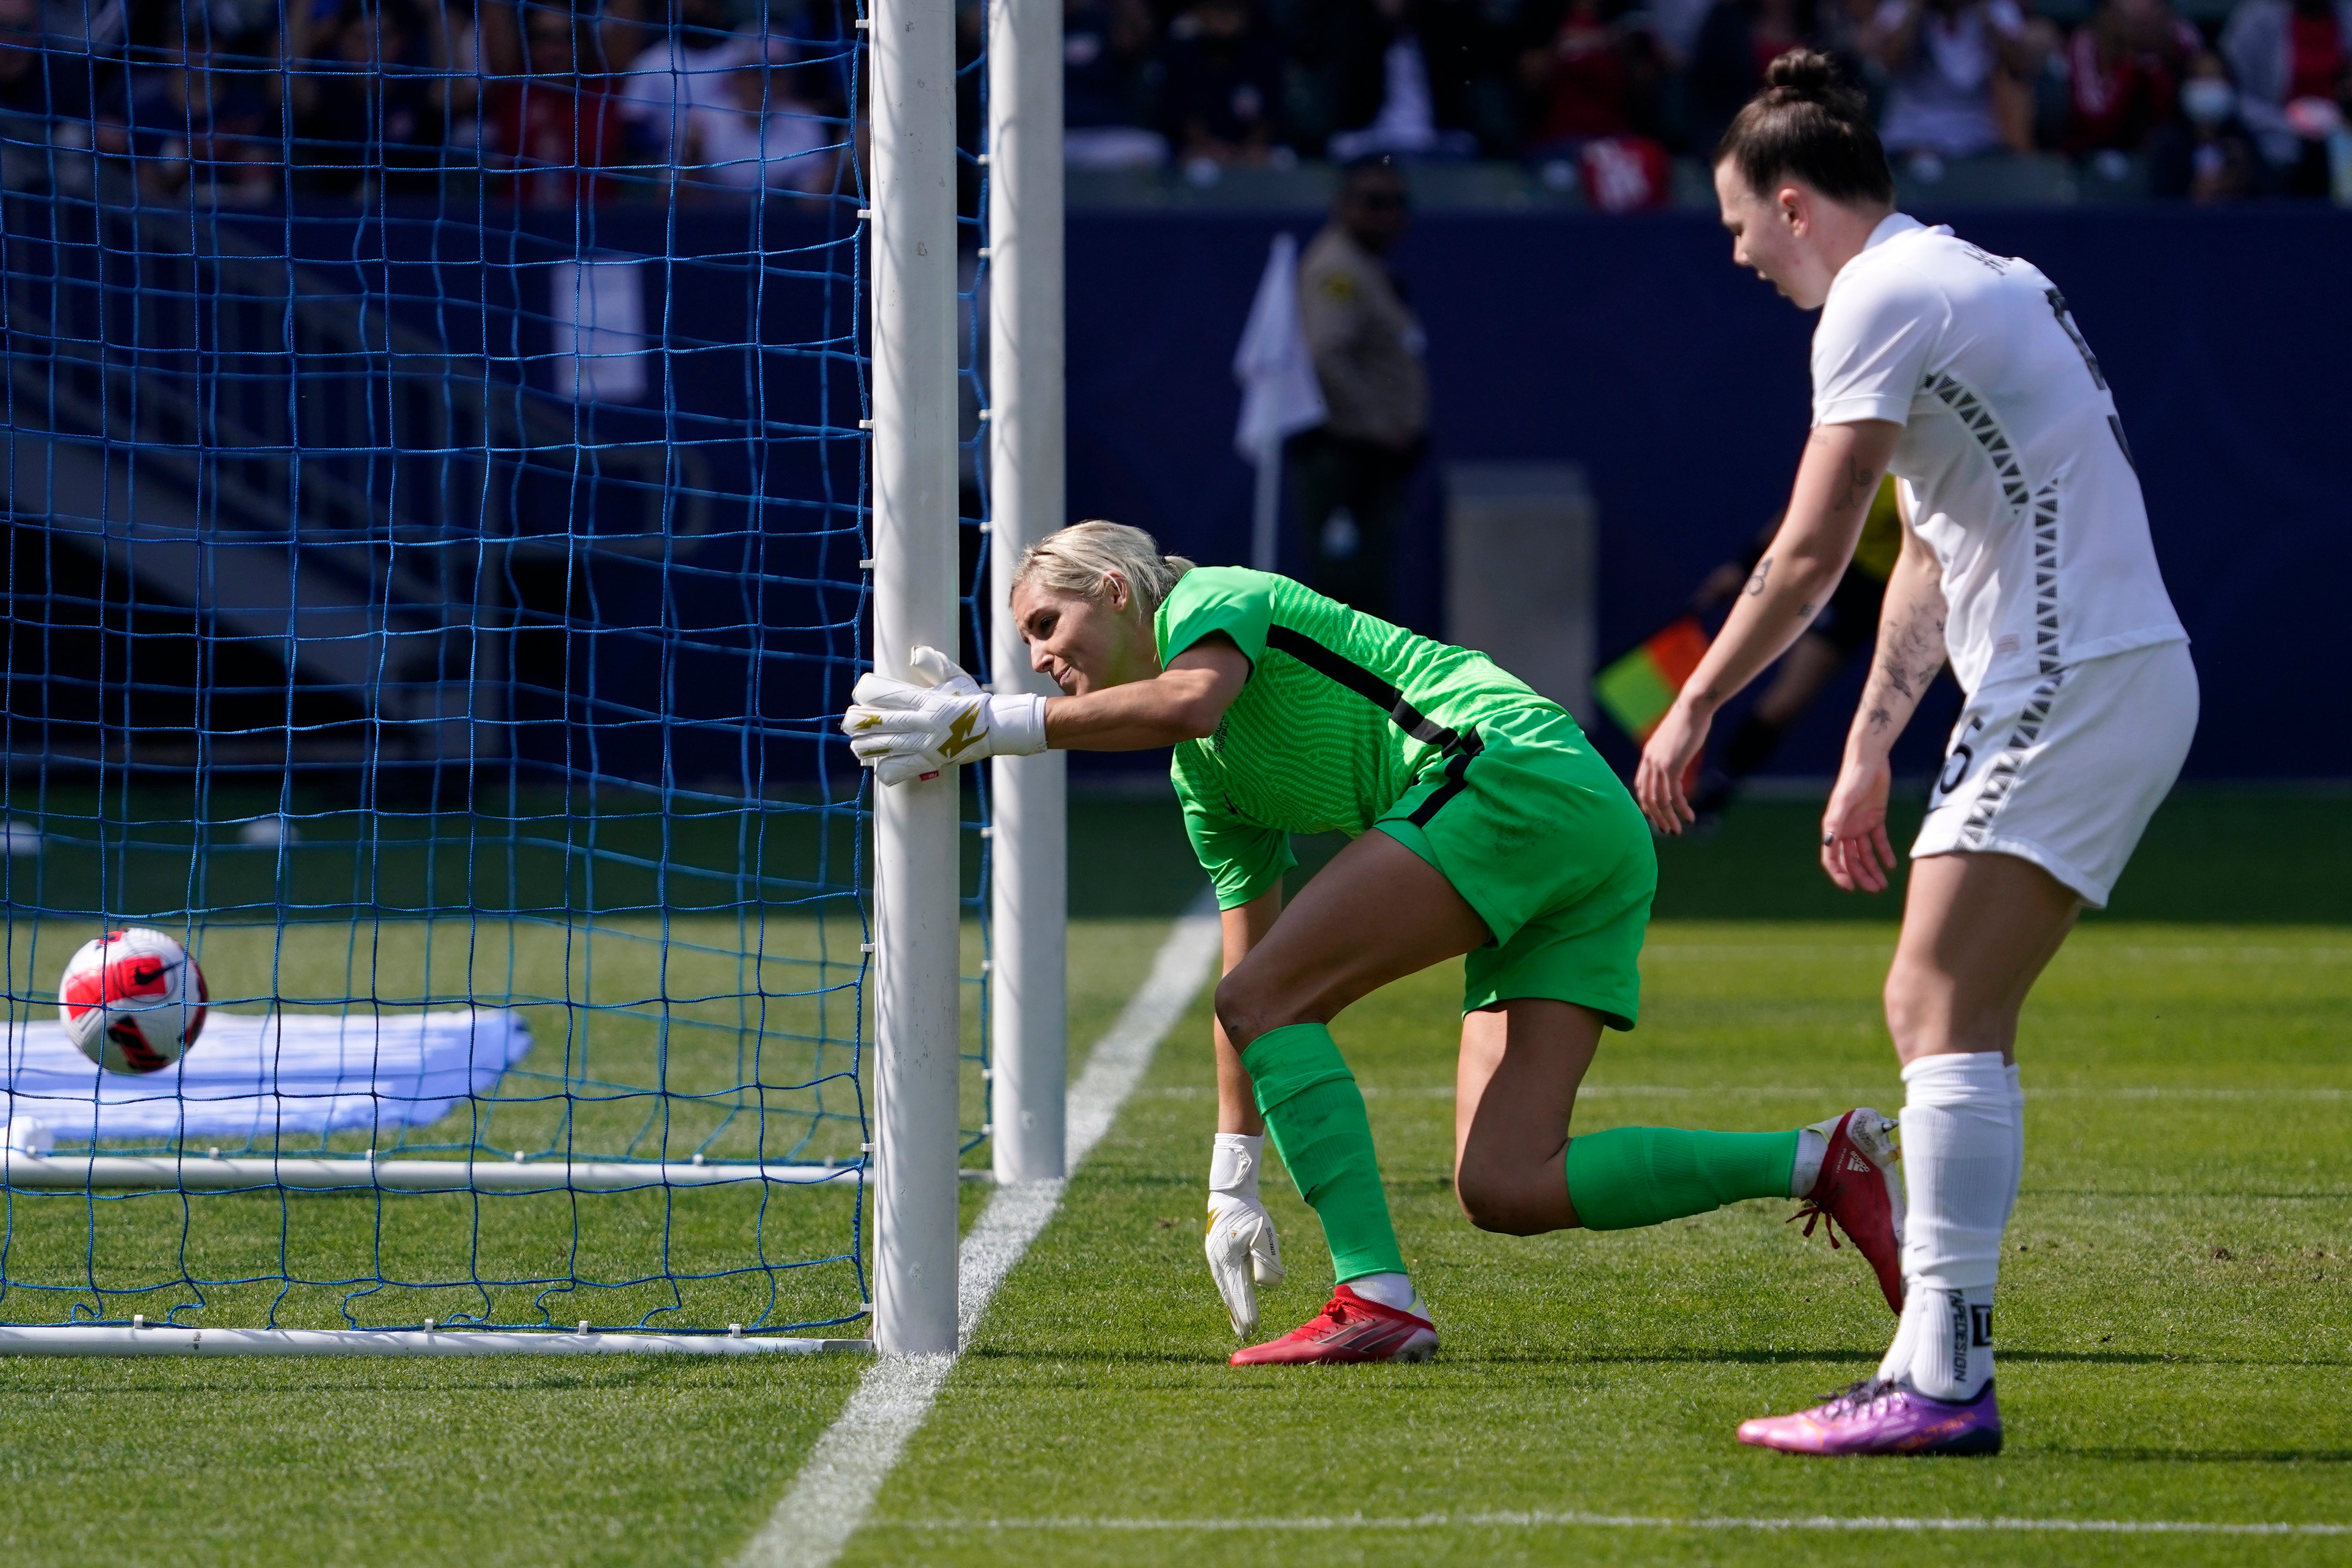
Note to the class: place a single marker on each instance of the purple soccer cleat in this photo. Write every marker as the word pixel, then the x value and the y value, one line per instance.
pixel 1876 1417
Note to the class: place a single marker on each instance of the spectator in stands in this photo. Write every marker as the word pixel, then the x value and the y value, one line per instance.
pixel 198 113
pixel 625 29
pixel 38 81
pixel 1224 85
pixel 1407 77
pixel 497 59
pixel 1592 68
pixel 779 130
pixel 685 69
pixel 1677 24
pixel 2208 155
pixel 1351 473
pixel 1106 46
pixel 2125 67
pixel 1941 59
pixel 1738 39
pixel 560 127
pixel 370 102
pixel 2285 54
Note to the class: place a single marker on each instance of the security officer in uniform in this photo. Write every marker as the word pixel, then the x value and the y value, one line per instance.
pixel 1351 473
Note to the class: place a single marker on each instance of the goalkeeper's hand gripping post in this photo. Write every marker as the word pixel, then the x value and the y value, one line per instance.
pixel 908 730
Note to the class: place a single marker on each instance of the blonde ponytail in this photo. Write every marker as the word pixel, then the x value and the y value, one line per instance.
pixel 1081 558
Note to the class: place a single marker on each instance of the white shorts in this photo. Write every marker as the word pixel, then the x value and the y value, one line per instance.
pixel 2065 769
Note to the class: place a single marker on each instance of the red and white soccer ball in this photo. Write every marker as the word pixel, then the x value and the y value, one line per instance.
pixel 132 1000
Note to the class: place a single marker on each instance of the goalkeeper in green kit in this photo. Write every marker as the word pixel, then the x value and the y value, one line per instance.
pixel 1484 828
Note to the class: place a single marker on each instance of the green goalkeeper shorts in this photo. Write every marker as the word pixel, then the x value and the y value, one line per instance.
pixel 1537 833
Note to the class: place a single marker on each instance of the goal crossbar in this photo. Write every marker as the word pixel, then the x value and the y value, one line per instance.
pixel 160 1340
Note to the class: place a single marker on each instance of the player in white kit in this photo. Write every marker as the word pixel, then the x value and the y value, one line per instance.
pixel 2027 562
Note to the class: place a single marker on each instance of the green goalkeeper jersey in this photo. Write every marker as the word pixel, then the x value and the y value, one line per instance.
pixel 1341 714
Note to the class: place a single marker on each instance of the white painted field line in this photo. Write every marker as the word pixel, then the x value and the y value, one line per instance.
pixel 2138 952
pixel 845 1472
pixel 2280 1093
pixel 1630 1522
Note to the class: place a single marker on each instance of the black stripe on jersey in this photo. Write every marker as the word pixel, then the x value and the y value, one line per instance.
pixel 1363 683
pixel 1456 780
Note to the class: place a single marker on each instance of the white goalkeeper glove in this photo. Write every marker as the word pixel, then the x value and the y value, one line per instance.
pixel 912 729
pixel 1243 1252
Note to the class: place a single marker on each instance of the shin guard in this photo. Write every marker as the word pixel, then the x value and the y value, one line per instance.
pixel 1631 1176
pixel 1315 1113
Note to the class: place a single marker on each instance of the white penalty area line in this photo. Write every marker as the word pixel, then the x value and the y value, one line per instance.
pixel 843 1473
pixel 2283 1093
pixel 1541 1520
pixel 2091 948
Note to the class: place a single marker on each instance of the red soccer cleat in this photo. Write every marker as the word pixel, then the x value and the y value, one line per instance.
pixel 1860 1191
pixel 1350 1329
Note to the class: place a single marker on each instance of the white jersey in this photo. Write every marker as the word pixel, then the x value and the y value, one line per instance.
pixel 2012 460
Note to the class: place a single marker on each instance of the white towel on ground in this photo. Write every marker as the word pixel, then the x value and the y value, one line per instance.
pixel 252 1076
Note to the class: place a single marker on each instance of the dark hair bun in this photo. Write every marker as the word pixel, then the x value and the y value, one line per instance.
pixel 1809 121
pixel 1808 76
pixel 1806 73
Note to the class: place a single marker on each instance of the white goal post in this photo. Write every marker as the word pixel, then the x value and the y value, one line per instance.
pixel 917 837
pixel 1029 895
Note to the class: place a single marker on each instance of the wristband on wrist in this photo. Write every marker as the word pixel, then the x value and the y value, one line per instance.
pixel 1016 724
pixel 1234 1160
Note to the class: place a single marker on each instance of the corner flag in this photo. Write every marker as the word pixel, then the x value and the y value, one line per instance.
pixel 1639 689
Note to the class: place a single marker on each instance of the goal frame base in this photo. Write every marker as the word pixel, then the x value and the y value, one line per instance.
pixel 158 1340
pixel 336 1174
pixel 197 1173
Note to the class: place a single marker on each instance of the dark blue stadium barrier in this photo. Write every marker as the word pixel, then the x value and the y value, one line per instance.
pixel 1633 347
pixel 1628 344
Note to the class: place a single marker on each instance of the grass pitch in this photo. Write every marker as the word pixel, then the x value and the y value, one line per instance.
pixel 2173 1323
pixel 2174 1329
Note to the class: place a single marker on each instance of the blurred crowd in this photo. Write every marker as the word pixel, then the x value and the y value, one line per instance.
pixel 560 101
pixel 2243 103
pixel 549 104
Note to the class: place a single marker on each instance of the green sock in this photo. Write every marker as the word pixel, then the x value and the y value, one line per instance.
pixel 1631 1176
pixel 1312 1106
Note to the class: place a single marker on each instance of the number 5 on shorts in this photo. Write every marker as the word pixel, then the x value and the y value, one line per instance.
pixel 1957 764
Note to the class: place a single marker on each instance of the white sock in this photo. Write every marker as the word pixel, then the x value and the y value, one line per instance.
pixel 2016 1144
pixel 1812 1148
pixel 1389 1290
pixel 1896 1365
pixel 1950 1339
pixel 1234 1160
pixel 1961 1153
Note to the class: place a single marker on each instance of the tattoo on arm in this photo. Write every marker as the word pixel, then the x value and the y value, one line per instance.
pixel 1857 486
pixel 1910 654
pixel 1756 578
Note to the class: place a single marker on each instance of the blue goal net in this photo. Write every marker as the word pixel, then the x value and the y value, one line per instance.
pixel 436 444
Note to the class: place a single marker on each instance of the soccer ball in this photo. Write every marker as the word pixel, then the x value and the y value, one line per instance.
pixel 132 1000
